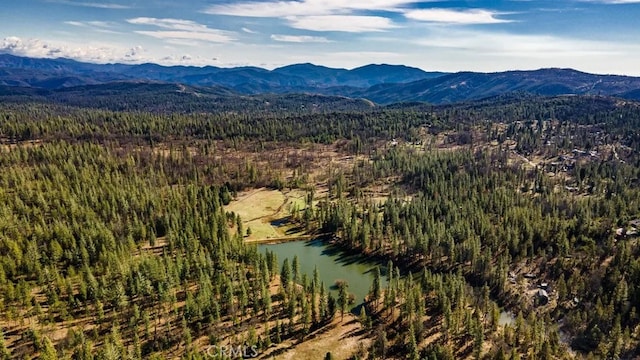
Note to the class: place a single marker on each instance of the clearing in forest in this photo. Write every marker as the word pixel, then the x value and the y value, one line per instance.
pixel 266 212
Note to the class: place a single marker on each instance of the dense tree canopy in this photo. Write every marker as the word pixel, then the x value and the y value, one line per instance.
pixel 112 222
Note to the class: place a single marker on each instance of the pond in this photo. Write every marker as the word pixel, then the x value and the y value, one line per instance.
pixel 332 265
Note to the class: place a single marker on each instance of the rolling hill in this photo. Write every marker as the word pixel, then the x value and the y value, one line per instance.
pixel 161 97
pixel 56 73
pixel 470 86
pixel 382 84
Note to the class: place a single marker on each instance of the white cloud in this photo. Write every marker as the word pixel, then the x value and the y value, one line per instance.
pixel 613 2
pixel 450 16
pixel 249 31
pixel 135 52
pixel 97 26
pixel 76 23
pixel 305 7
pixel 184 42
pixel 187 35
pixel 266 9
pixel 178 29
pixel 343 23
pixel 186 59
pixel 102 24
pixel 40 49
pixel 299 39
pixel 98 5
pixel 96 53
pixel 319 15
pixel 453 49
pixel 532 46
pixel 173 24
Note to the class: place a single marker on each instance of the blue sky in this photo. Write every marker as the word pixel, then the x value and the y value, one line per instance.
pixel 600 36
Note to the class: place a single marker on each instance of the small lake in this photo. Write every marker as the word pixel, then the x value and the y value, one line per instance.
pixel 332 265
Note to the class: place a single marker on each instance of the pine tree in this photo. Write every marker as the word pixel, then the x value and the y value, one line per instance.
pixel 412 346
pixel 295 270
pixel 364 318
pixel 376 290
pixel 267 335
pixel 278 332
pixel 478 334
pixel 49 351
pixel 285 274
pixel 331 306
pixel 322 300
pixel 266 300
pixel 343 298
pixel 380 344
pixel 137 348
pixel 306 314
pixel 4 352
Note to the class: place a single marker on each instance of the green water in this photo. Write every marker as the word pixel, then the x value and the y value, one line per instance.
pixel 332 265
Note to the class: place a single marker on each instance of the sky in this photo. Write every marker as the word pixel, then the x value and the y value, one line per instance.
pixel 597 36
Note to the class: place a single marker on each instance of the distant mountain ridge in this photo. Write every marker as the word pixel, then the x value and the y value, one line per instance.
pixel 469 86
pixel 293 78
pixel 382 84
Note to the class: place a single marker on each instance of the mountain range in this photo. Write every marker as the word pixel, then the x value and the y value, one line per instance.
pixel 381 84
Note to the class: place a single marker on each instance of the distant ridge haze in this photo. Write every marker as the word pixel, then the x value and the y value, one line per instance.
pixel 380 83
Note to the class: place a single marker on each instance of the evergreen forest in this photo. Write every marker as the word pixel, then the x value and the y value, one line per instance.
pixel 117 240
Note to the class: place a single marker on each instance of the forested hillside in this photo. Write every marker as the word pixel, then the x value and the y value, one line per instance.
pixel 504 227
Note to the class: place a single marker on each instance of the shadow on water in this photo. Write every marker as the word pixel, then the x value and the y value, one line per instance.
pixel 342 257
pixel 333 264
pixel 347 259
